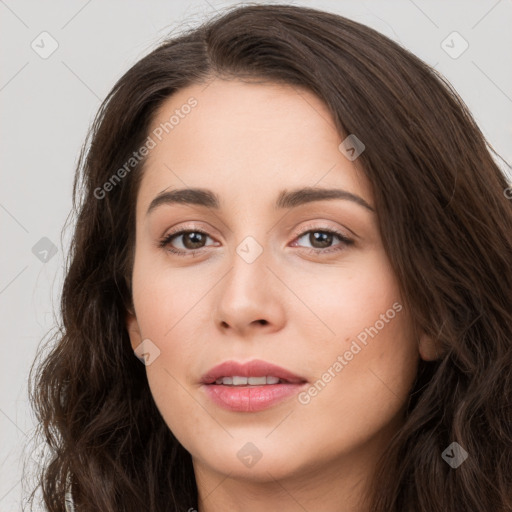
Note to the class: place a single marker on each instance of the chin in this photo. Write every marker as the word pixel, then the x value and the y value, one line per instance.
pixel 256 460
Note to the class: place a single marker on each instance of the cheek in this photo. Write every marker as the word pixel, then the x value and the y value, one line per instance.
pixel 165 298
pixel 349 298
pixel 171 312
pixel 364 372
pixel 361 394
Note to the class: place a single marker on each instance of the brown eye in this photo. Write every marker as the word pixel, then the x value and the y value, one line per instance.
pixel 191 240
pixel 321 240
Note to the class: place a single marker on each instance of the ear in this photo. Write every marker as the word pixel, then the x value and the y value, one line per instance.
pixel 429 349
pixel 132 326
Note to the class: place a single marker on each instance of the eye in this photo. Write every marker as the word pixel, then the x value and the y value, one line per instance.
pixel 321 239
pixel 192 241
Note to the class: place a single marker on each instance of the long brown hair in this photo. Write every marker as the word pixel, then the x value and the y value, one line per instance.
pixel 445 222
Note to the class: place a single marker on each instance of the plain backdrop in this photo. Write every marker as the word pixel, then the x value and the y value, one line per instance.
pixel 59 59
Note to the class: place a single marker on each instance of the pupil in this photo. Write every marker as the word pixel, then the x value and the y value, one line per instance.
pixel 323 238
pixel 193 240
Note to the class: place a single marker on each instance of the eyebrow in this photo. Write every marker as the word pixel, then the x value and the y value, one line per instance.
pixel 287 199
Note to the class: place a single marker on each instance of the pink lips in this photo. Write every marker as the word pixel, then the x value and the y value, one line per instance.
pixel 250 398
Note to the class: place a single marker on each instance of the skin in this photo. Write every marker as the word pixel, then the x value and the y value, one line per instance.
pixel 247 142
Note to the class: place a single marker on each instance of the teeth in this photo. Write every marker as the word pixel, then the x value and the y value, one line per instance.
pixel 257 381
pixel 244 381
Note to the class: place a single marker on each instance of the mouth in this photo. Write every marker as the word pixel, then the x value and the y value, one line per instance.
pixel 238 380
pixel 250 387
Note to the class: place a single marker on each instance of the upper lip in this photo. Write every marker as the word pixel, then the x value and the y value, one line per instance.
pixel 254 368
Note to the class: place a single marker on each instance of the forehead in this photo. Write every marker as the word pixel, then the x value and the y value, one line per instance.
pixel 246 140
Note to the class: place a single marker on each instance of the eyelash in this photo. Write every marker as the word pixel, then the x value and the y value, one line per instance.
pixel 164 243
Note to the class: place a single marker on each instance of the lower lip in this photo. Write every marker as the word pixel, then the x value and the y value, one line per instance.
pixel 250 398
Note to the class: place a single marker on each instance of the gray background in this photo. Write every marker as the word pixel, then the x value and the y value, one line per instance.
pixel 48 103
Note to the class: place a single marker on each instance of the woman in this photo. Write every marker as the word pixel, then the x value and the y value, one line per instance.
pixel 209 360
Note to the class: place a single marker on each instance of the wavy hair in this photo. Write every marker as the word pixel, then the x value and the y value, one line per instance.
pixel 446 226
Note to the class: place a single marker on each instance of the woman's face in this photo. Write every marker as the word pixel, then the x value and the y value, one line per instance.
pixel 276 276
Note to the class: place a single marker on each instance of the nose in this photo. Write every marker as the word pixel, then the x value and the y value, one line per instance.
pixel 249 299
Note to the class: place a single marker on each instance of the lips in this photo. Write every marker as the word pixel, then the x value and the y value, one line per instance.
pixel 254 368
pixel 239 387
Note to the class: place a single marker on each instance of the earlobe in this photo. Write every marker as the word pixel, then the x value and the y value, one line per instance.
pixel 428 348
pixel 132 326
